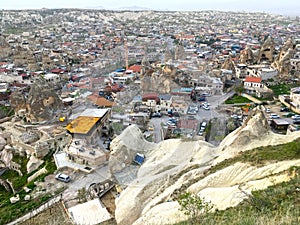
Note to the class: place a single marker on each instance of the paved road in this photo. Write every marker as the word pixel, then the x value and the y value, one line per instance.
pixel 206 115
pixel 83 180
pixel 156 122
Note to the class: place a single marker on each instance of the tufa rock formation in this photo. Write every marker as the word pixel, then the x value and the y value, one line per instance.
pixel 228 65
pixel 125 146
pixel 266 52
pixel 41 103
pixel 283 61
pixel 175 166
pixel 162 79
pixel 247 56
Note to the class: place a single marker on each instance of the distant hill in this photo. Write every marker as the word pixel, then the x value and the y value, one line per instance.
pixel 133 8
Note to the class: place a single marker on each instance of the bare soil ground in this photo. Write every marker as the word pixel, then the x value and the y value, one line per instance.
pixel 55 215
pixel 108 201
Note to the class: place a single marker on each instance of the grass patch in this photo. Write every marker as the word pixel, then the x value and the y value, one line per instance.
pixel 262 155
pixel 22 161
pixel 278 204
pixel 237 99
pixel 117 128
pixel 6 111
pixel 19 208
pixel 282 89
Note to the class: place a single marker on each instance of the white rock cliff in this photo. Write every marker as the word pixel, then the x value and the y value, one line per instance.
pixel 175 166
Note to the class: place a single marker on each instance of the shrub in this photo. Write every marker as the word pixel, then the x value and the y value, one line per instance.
pixel 194 207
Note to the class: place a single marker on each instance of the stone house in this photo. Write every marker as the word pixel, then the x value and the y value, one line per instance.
pixel 295 97
pixel 86 130
pixel 90 125
pixel 166 101
pixel 254 86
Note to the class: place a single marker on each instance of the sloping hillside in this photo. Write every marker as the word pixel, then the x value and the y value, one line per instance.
pixel 175 166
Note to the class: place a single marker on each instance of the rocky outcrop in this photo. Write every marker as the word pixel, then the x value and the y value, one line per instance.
pixel 163 79
pixel 6 157
pixel 125 146
pixel 6 185
pixel 176 166
pixel 228 65
pixel 36 174
pixel 2 143
pixel 247 56
pixel 33 164
pixel 14 199
pixel 283 61
pixel 41 103
pixel 266 52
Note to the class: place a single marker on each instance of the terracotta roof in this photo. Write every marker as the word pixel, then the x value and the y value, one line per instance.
pixel 253 79
pixel 135 68
pixel 101 101
pixel 152 96
pixel 57 71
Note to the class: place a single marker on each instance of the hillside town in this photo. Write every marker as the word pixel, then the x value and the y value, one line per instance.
pixel 86 96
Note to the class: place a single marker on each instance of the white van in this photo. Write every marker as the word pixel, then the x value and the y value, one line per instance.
pixel 63 177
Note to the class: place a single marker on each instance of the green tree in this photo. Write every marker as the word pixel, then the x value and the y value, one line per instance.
pixel 82 195
pixel 194 207
pixel 239 89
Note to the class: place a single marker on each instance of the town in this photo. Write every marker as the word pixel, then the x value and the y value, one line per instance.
pixel 87 94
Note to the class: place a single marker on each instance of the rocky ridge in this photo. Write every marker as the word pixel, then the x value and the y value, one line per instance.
pixel 176 166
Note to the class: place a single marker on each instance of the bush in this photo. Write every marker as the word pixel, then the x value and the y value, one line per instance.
pixel 194 207
pixel 237 99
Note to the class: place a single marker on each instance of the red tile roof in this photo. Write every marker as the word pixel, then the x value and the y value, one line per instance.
pixel 101 101
pixel 150 96
pixel 135 68
pixel 253 79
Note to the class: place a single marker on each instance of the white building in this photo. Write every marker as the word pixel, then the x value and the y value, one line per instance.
pixel 295 97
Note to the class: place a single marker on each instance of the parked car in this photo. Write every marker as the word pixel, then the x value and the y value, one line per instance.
pixel 274 116
pixel 173 120
pixel 203 124
pixel 171 124
pixel 151 128
pixel 200 133
pixel 296 117
pixel 206 107
pixel 205 94
pixel 289 114
pixel 63 177
pixel 284 109
pixel 296 121
pixel 201 99
pixel 268 110
pixel 157 114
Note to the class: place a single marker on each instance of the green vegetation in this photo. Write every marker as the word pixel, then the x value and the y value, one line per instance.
pixel 118 109
pixel 194 207
pixel 21 207
pixel 278 204
pixel 282 89
pixel 117 128
pixel 262 155
pixel 6 111
pixel 237 99
pixel 239 89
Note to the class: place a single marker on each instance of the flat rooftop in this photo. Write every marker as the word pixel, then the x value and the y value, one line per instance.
pixel 82 124
pixel 94 112
pixel 91 212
